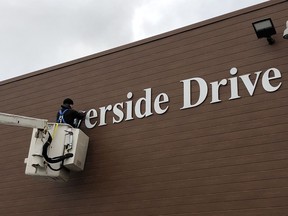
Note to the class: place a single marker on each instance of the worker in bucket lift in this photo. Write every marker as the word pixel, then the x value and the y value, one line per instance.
pixel 68 115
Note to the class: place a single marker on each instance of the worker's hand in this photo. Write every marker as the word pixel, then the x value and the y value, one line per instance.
pixel 82 114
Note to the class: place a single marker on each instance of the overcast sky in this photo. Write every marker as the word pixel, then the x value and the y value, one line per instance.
pixel 36 34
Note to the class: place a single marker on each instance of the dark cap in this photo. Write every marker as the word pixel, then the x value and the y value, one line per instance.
pixel 68 101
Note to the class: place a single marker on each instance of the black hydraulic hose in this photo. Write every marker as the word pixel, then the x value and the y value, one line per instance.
pixel 54 169
pixel 54 159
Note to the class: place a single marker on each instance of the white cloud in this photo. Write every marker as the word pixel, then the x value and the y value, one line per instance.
pixel 154 17
pixel 36 34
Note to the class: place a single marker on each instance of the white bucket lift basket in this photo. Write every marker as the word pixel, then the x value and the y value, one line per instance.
pixel 65 141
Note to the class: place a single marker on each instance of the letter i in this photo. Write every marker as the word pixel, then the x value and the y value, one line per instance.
pixel 234 84
pixel 129 115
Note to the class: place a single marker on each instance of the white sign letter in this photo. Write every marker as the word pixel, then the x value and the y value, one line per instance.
pixel 103 111
pixel 118 112
pixel 247 82
pixel 266 80
pixel 92 113
pixel 147 100
pixel 203 91
pixel 158 101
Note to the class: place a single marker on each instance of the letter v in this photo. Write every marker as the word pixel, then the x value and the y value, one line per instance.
pixel 248 84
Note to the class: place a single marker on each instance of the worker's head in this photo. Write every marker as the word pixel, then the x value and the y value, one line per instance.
pixel 68 101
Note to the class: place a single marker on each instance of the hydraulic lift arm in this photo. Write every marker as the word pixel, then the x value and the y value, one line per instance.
pixel 23 121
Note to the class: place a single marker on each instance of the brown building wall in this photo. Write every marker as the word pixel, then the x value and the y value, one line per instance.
pixel 221 159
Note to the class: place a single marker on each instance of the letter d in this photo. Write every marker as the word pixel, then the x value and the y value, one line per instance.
pixel 203 91
pixel 145 100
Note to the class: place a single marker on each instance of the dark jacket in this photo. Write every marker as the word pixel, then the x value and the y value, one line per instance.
pixel 71 116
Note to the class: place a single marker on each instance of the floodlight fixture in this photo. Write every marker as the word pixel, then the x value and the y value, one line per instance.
pixel 265 29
